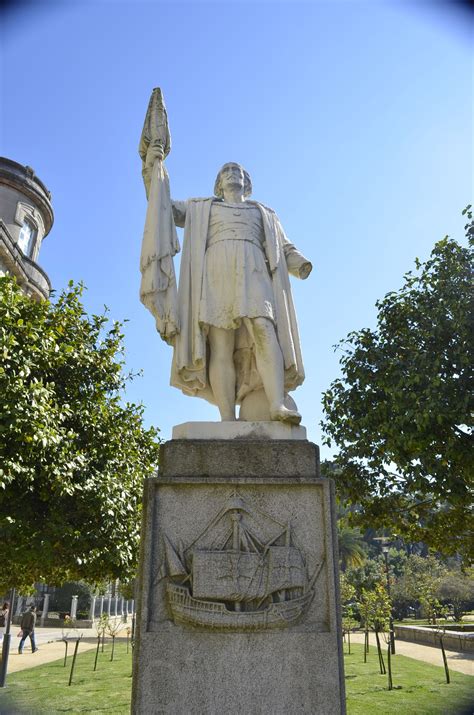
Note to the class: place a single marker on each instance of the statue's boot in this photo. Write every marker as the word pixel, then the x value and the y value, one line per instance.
pixel 283 414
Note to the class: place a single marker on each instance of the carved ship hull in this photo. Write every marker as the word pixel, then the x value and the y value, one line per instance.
pixel 199 613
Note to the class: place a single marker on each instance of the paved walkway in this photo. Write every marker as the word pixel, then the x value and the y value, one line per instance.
pixel 50 646
pixel 462 662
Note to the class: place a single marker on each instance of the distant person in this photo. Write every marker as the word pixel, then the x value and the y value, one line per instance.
pixel 27 625
pixel 3 618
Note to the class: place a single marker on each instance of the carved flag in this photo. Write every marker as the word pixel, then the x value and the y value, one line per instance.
pixel 158 290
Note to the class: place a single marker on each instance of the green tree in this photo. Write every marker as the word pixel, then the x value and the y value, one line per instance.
pixel 375 608
pixel 348 594
pixel 365 577
pixel 401 413
pixel 420 583
pixel 73 454
pixel 457 589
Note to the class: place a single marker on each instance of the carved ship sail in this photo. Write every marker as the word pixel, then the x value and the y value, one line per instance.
pixel 243 584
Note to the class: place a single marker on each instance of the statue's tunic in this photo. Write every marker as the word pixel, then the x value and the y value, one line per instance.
pixel 278 258
pixel 236 280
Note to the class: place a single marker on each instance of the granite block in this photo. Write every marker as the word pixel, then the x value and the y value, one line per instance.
pixel 238 595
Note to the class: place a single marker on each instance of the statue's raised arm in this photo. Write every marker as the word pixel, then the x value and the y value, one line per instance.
pixel 160 242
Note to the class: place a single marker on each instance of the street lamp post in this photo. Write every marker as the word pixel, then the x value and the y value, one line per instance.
pixel 384 543
pixel 6 641
pixel 392 634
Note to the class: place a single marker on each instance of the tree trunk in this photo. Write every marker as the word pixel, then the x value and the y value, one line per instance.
pixel 389 666
pixel 74 660
pixel 379 651
pixel 97 652
pixel 445 661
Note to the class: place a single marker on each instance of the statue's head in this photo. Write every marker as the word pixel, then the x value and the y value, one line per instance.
pixel 232 172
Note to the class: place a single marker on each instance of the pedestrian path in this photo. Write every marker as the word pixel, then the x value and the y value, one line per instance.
pixel 461 662
pixel 46 654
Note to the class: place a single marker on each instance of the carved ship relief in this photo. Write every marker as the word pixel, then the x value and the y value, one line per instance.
pixel 233 579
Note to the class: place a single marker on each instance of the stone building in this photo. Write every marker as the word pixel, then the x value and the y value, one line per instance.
pixel 26 217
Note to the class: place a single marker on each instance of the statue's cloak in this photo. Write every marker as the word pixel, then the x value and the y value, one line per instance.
pixel 189 371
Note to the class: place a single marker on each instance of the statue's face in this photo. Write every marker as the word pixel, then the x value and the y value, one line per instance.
pixel 232 176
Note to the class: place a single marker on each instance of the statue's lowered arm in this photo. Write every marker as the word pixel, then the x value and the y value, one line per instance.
pixel 158 290
pixel 297 264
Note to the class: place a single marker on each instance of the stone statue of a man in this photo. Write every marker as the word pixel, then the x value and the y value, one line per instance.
pixel 234 330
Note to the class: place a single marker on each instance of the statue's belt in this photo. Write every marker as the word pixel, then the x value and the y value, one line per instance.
pixel 213 241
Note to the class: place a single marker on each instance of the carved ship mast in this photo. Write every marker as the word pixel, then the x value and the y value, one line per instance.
pixel 243 584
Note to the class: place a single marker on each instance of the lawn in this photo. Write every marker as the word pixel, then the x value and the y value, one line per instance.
pixel 420 689
pixel 44 689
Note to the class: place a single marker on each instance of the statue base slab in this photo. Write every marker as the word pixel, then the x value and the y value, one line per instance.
pixel 238 583
pixel 238 430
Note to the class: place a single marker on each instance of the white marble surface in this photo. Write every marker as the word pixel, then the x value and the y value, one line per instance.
pixel 238 430
pixel 236 333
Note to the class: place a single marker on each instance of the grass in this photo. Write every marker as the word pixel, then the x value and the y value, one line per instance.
pixel 420 689
pixel 44 689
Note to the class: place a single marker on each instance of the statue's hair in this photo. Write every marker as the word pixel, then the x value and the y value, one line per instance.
pixel 247 182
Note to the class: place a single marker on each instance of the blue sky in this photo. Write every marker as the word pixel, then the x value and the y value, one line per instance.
pixel 354 120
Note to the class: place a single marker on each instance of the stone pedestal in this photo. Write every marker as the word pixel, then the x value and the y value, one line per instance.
pixel 237 609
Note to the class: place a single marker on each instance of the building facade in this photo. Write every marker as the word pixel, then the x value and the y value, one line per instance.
pixel 26 218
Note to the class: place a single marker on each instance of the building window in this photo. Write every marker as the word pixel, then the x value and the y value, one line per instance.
pixel 26 238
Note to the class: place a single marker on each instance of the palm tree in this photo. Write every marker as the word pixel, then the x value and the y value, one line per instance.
pixel 352 547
